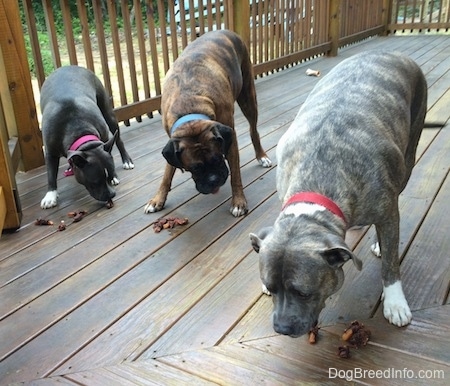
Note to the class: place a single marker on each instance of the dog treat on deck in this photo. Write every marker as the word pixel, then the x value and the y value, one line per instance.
pixel 313 334
pixel 109 204
pixel 311 72
pixel 62 226
pixel 77 215
pixel 42 221
pixel 343 352
pixel 168 223
pixel 356 334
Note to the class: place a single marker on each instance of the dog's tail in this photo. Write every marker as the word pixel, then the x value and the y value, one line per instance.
pixel 434 124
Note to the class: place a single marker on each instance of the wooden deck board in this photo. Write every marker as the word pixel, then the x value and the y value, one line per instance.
pixel 429 263
pixel 108 301
pixel 285 356
pixel 149 373
pixel 431 323
pixel 174 298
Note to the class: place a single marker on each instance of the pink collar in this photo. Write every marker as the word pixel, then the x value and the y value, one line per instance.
pixel 315 198
pixel 75 146
pixel 82 140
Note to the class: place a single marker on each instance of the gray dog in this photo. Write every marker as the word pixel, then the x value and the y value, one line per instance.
pixel 76 116
pixel 343 162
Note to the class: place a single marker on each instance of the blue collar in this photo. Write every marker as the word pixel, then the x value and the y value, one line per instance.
pixel 187 118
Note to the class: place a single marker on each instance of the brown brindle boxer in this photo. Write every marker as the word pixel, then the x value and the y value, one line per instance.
pixel 197 107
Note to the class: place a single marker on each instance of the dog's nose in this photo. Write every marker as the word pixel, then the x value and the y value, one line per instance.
pixel 213 180
pixel 292 326
pixel 284 329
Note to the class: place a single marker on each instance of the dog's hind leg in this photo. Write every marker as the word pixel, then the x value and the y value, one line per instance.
pixel 249 106
pixel 105 105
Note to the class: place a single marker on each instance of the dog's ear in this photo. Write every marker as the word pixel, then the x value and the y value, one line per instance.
pixel 256 240
pixel 110 143
pixel 77 158
pixel 224 134
pixel 172 153
pixel 337 256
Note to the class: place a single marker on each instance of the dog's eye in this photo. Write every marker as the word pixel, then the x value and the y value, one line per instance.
pixel 197 168
pixel 216 160
pixel 302 295
pixel 217 139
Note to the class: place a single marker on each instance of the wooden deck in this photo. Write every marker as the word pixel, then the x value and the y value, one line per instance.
pixel 110 302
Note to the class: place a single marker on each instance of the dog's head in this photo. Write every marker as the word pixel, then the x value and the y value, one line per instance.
pixel 201 150
pixel 301 266
pixel 93 167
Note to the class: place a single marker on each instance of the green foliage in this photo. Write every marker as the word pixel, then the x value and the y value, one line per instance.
pixel 42 33
pixel 46 54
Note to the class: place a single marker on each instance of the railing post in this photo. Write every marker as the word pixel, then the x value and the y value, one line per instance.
pixel 10 212
pixel 18 77
pixel 386 15
pixel 334 26
pixel 241 19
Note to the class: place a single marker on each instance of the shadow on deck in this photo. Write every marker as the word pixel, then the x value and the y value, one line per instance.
pixel 109 301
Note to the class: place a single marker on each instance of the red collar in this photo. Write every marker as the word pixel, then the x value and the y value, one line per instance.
pixel 315 198
pixel 82 140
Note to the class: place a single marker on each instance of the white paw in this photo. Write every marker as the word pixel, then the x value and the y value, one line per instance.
pixel 115 181
pixel 50 200
pixel 265 162
pixel 128 165
pixel 375 248
pixel 265 290
pixel 149 208
pixel 395 306
pixel 237 212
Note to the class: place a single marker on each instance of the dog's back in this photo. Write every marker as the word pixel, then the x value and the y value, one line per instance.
pixel 214 69
pixel 73 99
pixel 67 82
pixel 362 121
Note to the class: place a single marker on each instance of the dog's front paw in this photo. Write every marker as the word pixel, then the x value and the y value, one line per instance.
pixel 128 165
pixel 115 181
pixel 265 162
pixel 50 200
pixel 152 207
pixel 238 210
pixel 395 306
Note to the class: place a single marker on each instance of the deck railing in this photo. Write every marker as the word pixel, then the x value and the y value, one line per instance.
pixel 133 57
pixel 420 16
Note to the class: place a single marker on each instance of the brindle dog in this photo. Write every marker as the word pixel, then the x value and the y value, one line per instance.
pixel 197 108
pixel 343 162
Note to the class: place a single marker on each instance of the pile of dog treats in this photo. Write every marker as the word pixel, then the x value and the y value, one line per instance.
pixel 168 223
pixel 356 335
pixel 76 216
